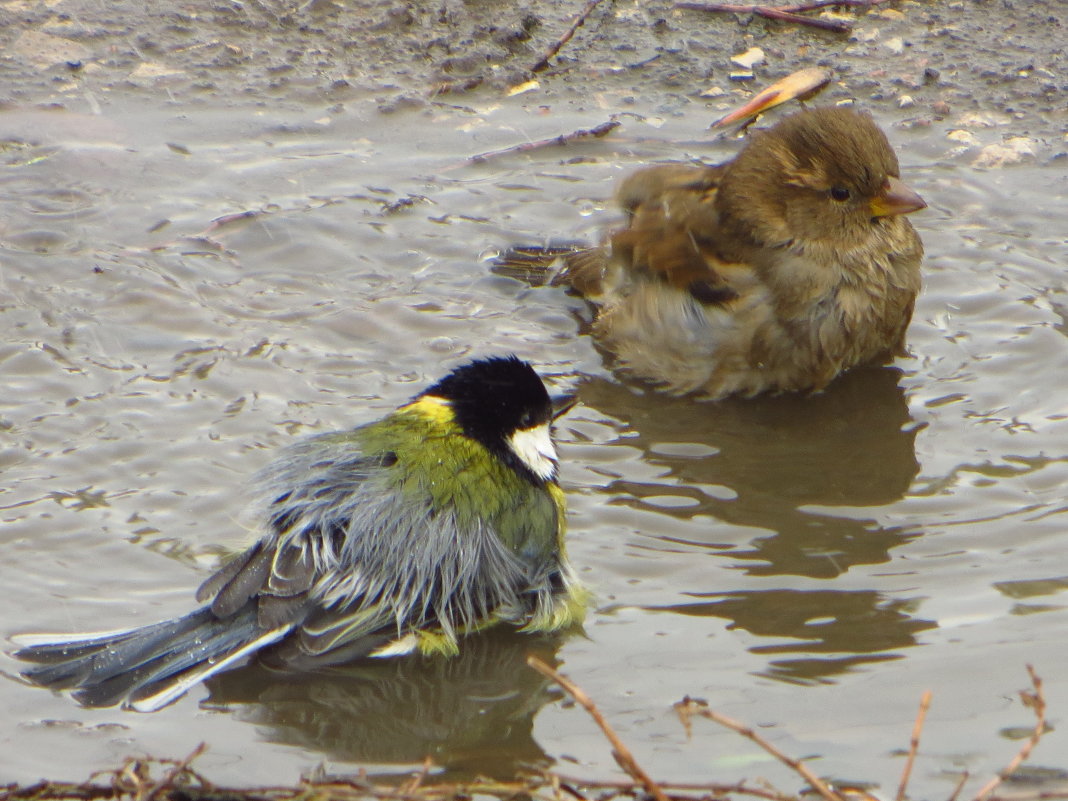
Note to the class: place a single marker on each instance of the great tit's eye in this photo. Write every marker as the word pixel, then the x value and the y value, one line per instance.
pixel 839 193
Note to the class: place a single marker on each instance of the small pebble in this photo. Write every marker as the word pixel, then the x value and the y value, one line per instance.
pixel 750 58
pixel 1012 151
pixel 964 137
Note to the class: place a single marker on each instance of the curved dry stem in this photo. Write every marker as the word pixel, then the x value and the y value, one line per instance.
pixel 622 754
pixel 914 745
pixel 1037 702
pixel 688 707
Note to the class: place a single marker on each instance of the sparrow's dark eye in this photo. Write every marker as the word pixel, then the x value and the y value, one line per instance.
pixel 840 193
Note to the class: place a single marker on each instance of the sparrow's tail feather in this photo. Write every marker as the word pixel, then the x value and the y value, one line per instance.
pixel 538 265
pixel 581 267
pixel 148 667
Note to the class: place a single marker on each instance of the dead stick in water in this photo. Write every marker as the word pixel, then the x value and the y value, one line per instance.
pixel 688 707
pixel 543 63
pixel 166 784
pixel 620 751
pixel 964 776
pixel 771 12
pixel 1037 702
pixel 553 141
pixel 671 788
pixel 914 745
pixel 789 13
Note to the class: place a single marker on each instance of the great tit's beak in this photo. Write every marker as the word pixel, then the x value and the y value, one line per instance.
pixel 895 198
pixel 562 404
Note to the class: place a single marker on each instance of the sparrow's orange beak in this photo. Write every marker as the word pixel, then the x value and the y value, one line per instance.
pixel 895 198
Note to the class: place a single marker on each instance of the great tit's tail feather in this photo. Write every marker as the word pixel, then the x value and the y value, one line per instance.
pixel 149 698
pixel 154 662
pixel 94 658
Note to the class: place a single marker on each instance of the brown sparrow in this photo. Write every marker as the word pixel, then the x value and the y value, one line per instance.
pixel 772 272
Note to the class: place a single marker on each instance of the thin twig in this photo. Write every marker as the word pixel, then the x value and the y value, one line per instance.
pixel 706 789
pixel 543 63
pixel 622 754
pixel 55 790
pixel 461 85
pixel 179 767
pixel 964 776
pixel 914 745
pixel 133 781
pixel 1037 702
pixel 467 84
pixel 554 141
pixel 414 783
pixel 688 706
pixel 789 13
pixel 815 5
pixel 771 12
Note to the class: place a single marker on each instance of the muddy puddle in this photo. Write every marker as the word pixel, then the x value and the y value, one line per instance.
pixel 187 287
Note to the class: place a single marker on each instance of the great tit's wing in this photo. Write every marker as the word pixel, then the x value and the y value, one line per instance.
pixel 366 537
pixel 305 495
pixel 410 569
pixel 230 588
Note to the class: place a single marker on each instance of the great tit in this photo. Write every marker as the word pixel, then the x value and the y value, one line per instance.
pixel 398 536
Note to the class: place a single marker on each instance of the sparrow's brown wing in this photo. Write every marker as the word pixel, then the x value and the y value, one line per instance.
pixel 673 229
pixel 671 234
pixel 649 185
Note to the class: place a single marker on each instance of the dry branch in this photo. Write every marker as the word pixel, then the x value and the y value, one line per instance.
pixel 964 776
pixel 789 13
pixel 463 85
pixel 688 707
pixel 179 781
pixel 179 770
pixel 914 745
pixel 1037 702
pixel 554 141
pixel 543 62
pixel 620 751
pixel 676 790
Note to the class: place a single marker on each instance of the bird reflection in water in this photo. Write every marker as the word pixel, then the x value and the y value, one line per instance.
pixel 777 486
pixel 772 460
pixel 825 632
pixel 471 714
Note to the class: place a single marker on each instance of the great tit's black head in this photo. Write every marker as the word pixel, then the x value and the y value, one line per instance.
pixel 502 403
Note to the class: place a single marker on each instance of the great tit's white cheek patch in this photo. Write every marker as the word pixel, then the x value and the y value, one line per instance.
pixel 535 449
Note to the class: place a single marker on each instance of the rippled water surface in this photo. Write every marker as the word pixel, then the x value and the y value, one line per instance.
pixel 809 565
